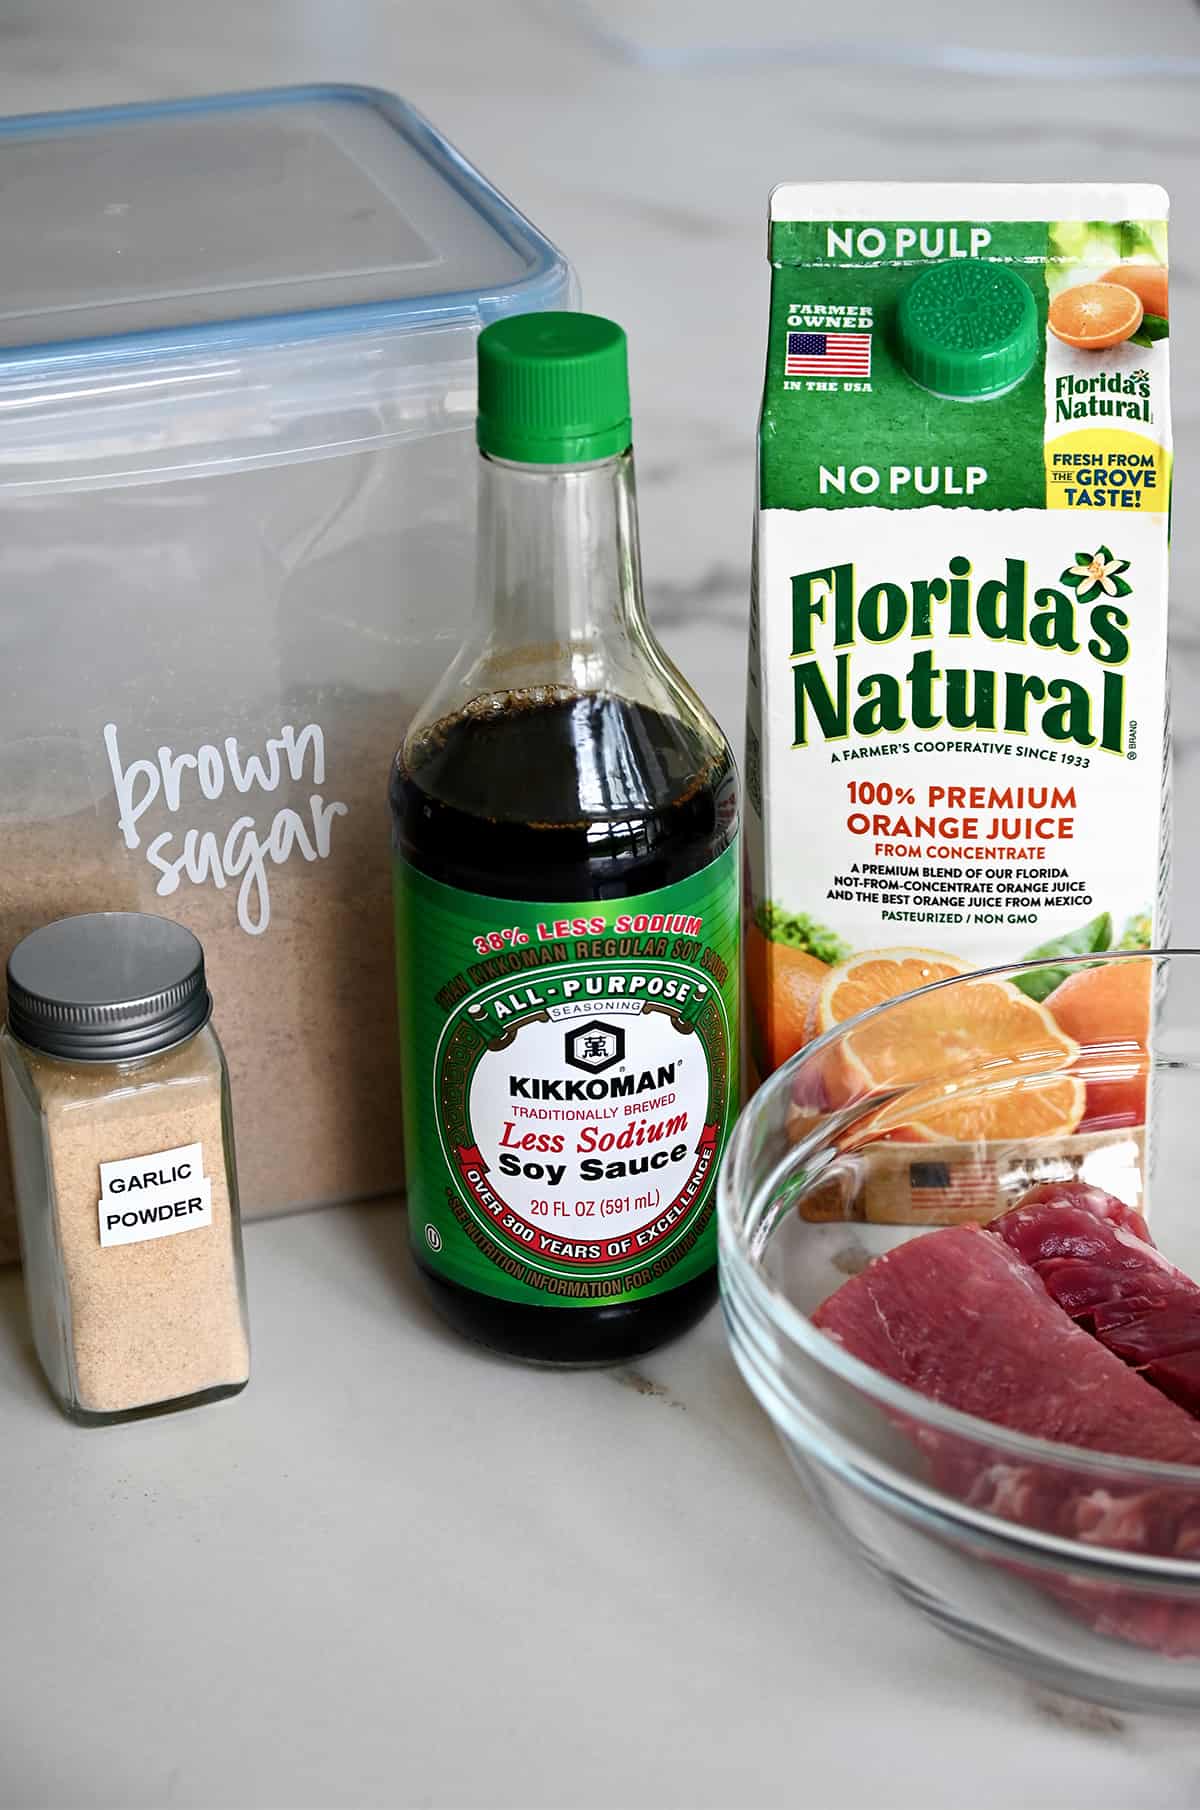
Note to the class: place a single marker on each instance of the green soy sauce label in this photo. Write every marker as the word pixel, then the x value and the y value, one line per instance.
pixel 571 1077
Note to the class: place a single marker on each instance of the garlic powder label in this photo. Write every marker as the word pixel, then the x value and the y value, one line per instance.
pixel 154 1196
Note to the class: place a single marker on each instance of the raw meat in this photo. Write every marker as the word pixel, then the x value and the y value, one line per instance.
pixel 1096 1201
pixel 1093 1255
pixel 957 1315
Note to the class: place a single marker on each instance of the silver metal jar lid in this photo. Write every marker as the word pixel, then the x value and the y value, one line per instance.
pixel 107 986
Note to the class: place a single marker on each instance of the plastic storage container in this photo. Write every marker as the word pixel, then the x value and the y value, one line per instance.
pixel 237 512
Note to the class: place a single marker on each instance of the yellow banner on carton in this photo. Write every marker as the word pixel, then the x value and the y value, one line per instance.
pixel 1106 471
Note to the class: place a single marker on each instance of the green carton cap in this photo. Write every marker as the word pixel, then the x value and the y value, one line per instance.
pixel 968 329
pixel 553 389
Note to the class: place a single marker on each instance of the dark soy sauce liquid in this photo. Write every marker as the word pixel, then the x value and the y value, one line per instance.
pixel 554 798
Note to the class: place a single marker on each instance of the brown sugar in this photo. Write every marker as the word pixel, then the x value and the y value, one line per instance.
pixel 306 1009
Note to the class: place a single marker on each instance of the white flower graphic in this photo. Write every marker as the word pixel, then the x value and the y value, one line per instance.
pixel 1096 574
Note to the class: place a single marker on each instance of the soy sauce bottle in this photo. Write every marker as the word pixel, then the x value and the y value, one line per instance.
pixel 565 821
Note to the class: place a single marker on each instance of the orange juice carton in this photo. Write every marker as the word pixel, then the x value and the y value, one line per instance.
pixel 957 723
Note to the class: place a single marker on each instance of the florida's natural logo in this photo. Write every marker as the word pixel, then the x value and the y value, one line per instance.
pixel 833 613
pixel 1097 574
pixel 1124 395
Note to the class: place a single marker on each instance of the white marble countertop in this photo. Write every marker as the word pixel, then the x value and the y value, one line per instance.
pixel 399 1573
pixel 395 1572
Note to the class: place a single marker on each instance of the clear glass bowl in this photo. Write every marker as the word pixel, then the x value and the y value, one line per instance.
pixel 838 1158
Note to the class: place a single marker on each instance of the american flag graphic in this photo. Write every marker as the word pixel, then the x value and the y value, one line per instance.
pixel 828 355
pixel 953 1187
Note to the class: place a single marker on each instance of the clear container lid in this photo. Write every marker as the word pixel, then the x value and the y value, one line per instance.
pixel 175 255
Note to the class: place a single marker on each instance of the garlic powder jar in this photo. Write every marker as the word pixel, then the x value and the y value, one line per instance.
pixel 117 1100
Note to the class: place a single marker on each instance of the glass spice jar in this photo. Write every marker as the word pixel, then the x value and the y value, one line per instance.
pixel 117 1099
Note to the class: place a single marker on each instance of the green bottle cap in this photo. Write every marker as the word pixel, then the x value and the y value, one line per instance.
pixel 968 329
pixel 553 389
